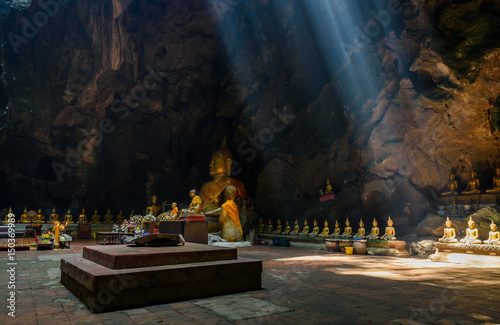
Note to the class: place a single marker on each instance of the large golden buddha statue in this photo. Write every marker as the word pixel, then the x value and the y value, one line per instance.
pixel 452 187
pixel 496 182
pixel 472 185
pixel 494 235
pixel 212 193
pixel 471 234
pixel 449 236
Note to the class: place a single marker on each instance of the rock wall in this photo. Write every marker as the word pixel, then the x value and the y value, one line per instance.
pixel 129 98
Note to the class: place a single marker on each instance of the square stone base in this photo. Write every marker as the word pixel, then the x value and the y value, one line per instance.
pixel 103 289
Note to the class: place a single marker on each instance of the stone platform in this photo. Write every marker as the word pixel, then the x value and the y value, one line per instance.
pixel 477 255
pixel 396 248
pixel 144 276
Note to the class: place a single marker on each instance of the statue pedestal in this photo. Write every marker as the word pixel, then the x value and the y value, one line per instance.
pixel 112 278
pixel 192 230
pixel 478 254
pixel 396 248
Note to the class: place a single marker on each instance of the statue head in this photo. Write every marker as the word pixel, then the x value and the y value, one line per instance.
pixel 361 224
pixel 337 224
pixel 83 210
pixel 40 211
pixel 327 181
pixel 279 221
pixel 220 162
pixel 493 226
pixel 53 210
pixel 231 192
pixel 448 222
pixel 326 223
pixel 305 222
pixel 174 205
pixel 192 193
pixel 270 222
pixel 452 176
pixel 471 223
pixel 374 223
pixel 389 222
pixel 347 222
pixel 25 210
pixel 473 174
pixel 497 171
pixel 154 199
pixel 287 223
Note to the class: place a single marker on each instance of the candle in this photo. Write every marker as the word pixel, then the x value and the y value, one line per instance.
pixel 56 235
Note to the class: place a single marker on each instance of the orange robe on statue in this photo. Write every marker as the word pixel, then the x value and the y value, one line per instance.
pixel 233 212
pixel 213 189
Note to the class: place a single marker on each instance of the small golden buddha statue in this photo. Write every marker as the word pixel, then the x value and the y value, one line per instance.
pixel 95 217
pixel 326 230
pixel 108 217
pixel 361 234
pixel 262 226
pixel 305 230
pixel 132 213
pixel 120 217
pixel 83 217
pixel 53 216
pixel 347 230
pixel 296 228
pixel 6 221
pixel 68 218
pixel 40 218
pixel 287 229
pixel 472 185
pixel 336 230
pixel 450 235
pixel 375 232
pixel 24 216
pixel 494 235
pixel 471 234
pixel 315 231
pixel 496 182
pixel 279 228
pixel 328 187
pixel 270 226
pixel 390 232
pixel 452 187
pixel 155 208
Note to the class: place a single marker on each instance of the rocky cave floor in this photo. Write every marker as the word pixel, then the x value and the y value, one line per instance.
pixel 299 287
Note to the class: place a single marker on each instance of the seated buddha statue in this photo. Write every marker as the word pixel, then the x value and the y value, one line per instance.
pixel 326 230
pixel 83 217
pixel 269 226
pixel 68 218
pixel 452 187
pixel 120 217
pixel 336 230
pixel 53 216
pixel 155 208
pixel 287 229
pixel 361 234
pixel 296 228
pixel 347 230
pixel 262 226
pixel 315 231
pixel 375 232
pixel 174 212
pixel 471 234
pixel 305 230
pixel 108 217
pixel 24 216
pixel 6 220
pixel 279 228
pixel 472 185
pixel 40 217
pixel 328 187
pixel 95 217
pixel 195 205
pixel 212 193
pixel 494 235
pixel 449 235
pixel 496 182
pixel 390 232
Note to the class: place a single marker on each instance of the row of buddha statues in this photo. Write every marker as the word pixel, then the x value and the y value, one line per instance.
pixel 38 217
pixel 390 233
pixel 473 186
pixel 471 234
